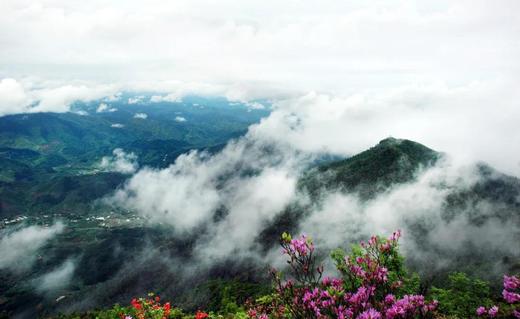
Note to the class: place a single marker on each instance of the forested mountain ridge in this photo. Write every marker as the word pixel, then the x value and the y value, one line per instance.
pixel 50 162
pixel 391 161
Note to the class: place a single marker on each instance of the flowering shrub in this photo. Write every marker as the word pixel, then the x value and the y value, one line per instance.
pixel 151 308
pixel 148 308
pixel 201 315
pixel 511 295
pixel 373 284
pixel 370 287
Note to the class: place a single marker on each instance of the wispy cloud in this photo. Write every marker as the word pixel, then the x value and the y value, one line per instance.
pixel 17 97
pixel 103 107
pixel 120 161
pixel 56 279
pixel 142 116
pixel 232 196
pixel 18 248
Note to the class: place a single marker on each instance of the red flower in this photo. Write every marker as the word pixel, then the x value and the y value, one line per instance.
pixel 136 304
pixel 167 308
pixel 157 299
pixel 201 315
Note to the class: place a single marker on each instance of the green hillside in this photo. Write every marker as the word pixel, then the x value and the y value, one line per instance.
pixel 372 171
pixel 49 162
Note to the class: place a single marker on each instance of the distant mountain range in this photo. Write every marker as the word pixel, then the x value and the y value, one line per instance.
pixel 50 161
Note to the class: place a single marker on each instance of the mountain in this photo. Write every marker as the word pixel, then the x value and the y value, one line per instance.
pixel 392 161
pixel 370 172
pixel 395 161
pixel 50 162
pixel 488 198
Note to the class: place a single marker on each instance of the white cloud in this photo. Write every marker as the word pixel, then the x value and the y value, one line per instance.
pixel 121 162
pixel 218 193
pixel 255 105
pixel 57 279
pixel 18 249
pixel 117 125
pixel 135 100
pixel 252 203
pixel 183 195
pixel 171 97
pixel 471 122
pixel 187 193
pixel 12 97
pixel 180 119
pixel 26 97
pixel 156 98
pixel 114 97
pixel 58 99
pixel 102 108
pixel 142 116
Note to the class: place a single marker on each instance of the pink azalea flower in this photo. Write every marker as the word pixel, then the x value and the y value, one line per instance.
pixel 493 311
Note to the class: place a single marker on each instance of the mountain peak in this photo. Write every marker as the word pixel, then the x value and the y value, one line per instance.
pixel 389 162
pixel 390 141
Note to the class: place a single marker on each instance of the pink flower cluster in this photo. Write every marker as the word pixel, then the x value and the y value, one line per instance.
pixel 511 289
pixel 302 260
pixel 364 292
pixel 491 313
pixel 409 306
pixel 301 246
pixel 332 301
pixel 511 294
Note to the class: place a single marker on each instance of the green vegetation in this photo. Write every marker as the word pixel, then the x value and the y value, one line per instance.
pixel 49 162
pixel 462 295
pixel 228 296
pixel 372 171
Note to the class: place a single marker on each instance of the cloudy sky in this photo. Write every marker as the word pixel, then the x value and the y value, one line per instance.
pixel 442 72
pixel 330 45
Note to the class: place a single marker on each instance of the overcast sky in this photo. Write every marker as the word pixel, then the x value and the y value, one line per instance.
pixel 442 72
pixel 331 45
